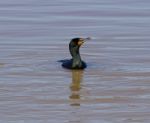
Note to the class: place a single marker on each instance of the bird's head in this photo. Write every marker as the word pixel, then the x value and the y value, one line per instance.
pixel 75 44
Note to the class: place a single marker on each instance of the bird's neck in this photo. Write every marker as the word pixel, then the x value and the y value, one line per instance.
pixel 76 58
pixel 77 62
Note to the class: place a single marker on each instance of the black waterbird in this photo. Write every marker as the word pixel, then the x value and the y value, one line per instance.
pixel 76 61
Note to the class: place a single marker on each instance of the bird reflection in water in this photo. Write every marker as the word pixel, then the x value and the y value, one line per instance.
pixel 75 87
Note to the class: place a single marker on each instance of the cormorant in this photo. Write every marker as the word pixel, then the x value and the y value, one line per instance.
pixel 76 61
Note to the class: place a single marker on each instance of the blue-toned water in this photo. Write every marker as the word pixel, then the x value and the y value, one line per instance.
pixel 115 87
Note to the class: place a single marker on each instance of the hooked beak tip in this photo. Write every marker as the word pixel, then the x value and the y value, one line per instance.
pixel 88 38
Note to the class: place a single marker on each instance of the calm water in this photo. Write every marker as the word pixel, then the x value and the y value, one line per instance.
pixel 34 35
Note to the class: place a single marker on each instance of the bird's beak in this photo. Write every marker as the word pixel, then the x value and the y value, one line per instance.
pixel 82 40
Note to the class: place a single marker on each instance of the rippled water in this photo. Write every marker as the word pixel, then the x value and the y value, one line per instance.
pixel 34 35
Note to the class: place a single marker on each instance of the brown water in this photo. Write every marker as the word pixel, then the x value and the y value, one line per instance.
pixel 34 35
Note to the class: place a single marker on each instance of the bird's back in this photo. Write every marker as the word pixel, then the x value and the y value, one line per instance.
pixel 69 64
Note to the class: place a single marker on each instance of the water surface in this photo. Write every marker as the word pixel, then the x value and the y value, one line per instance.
pixel 34 35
